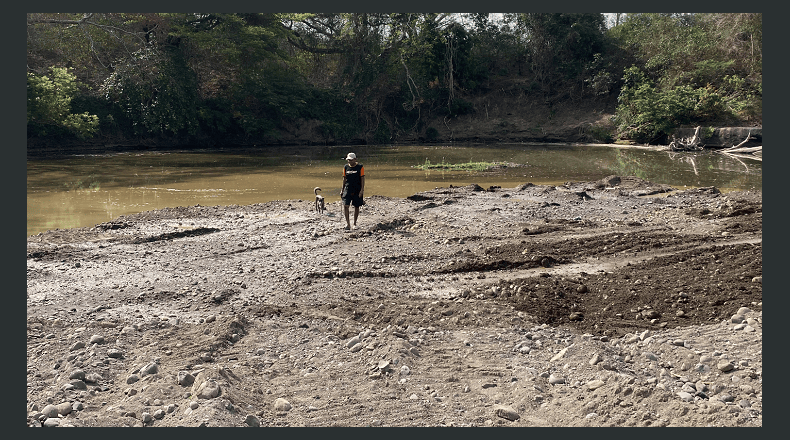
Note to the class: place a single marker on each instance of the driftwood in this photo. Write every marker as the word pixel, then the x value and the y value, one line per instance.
pixel 739 150
pixel 693 143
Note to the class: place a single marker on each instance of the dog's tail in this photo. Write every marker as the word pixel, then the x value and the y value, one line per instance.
pixel 316 190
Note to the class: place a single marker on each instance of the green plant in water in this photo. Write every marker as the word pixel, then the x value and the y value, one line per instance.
pixel 468 166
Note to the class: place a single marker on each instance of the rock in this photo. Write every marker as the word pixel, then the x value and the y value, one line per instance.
pixel 64 408
pixel 97 339
pixel 686 397
pixel 404 370
pixel 737 319
pixel 595 384
pixel 556 379
pixel 151 368
pixel 77 345
pixel 77 374
pixel 50 411
pixel 507 413
pixel 559 355
pixel 146 417
pixel 576 316
pixel 158 414
pixel 252 420
pixel 726 398
pixel 208 390
pixel 132 378
pixel 92 378
pixel 78 384
pixel 650 356
pixel 595 359
pixel 582 289
pixel 281 405
pixel 383 365
pixel 185 379
pixel 114 353
pixel 356 347
pixel 651 314
pixel 353 341
pixel 724 366
pixel 51 422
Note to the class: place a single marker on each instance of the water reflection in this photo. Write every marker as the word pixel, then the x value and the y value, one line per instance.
pixel 87 190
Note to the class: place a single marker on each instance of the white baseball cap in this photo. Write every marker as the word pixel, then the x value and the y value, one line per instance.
pixel 351 156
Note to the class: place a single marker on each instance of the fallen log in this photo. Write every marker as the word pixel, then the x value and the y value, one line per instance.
pixel 687 144
pixel 745 150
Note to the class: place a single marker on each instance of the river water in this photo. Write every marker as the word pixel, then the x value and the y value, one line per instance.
pixel 86 190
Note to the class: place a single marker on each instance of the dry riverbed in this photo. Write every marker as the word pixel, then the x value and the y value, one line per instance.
pixel 609 303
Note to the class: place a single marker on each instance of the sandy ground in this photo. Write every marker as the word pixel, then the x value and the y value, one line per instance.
pixel 609 303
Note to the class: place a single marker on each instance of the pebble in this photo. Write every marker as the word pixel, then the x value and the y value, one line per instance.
pixel 93 378
pixel 282 405
pixel 114 353
pixel 650 356
pixel 51 422
pixel 208 390
pixel 559 355
pixel 556 379
pixel 149 369
pixel 50 411
pixel 686 397
pixel 184 378
pixel 146 417
pixel 353 342
pixel 595 384
pixel 252 420
pixel 97 339
pixel 724 366
pixel 507 413
pixel 77 345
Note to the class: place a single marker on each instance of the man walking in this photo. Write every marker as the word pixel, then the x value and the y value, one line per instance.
pixel 353 187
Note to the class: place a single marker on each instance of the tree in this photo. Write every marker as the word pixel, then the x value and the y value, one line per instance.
pixel 49 105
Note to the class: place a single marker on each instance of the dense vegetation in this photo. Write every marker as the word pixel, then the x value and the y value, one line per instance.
pixel 375 77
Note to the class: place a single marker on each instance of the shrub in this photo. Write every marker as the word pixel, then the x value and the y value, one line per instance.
pixel 49 105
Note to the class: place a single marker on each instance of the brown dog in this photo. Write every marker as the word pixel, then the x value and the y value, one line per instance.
pixel 319 201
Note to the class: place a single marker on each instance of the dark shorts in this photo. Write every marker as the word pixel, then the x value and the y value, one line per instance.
pixel 352 199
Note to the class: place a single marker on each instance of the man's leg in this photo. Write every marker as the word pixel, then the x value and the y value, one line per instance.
pixel 345 212
pixel 356 214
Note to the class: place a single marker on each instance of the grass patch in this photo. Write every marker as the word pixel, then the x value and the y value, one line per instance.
pixel 468 166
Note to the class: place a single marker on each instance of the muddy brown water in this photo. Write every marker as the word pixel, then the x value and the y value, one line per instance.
pixel 82 191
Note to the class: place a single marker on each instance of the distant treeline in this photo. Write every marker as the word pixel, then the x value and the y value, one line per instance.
pixel 217 78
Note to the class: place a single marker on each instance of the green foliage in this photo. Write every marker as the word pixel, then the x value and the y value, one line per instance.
pixel 157 94
pixel 646 113
pixel 236 76
pixel 49 105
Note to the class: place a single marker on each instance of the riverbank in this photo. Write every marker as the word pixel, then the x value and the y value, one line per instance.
pixel 609 303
